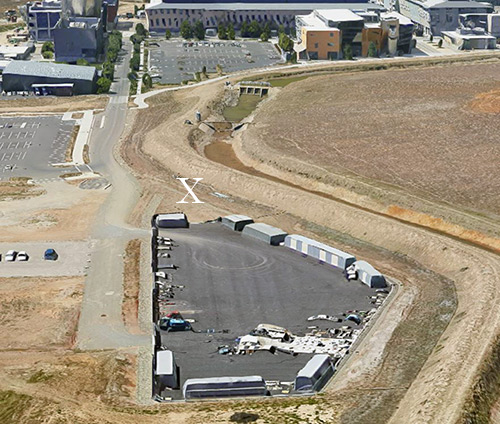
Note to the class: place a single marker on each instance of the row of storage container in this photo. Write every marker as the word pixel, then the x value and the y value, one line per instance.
pixel 315 249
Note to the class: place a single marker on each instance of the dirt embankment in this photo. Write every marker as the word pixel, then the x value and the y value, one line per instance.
pixel 37 105
pixel 131 281
pixel 447 341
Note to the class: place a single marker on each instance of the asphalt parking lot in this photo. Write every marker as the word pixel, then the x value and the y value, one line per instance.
pixel 234 283
pixel 73 257
pixel 28 145
pixel 177 61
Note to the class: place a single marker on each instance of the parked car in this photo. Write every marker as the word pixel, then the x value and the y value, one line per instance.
pixel 22 256
pixel 10 256
pixel 50 255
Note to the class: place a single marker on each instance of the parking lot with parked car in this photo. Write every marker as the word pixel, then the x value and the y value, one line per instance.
pixel 175 61
pixel 44 259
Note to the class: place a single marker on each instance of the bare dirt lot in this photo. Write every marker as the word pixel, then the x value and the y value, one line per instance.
pixel 63 212
pixel 427 133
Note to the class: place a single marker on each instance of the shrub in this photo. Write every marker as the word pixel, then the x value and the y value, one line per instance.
pixel 103 85
pixel 47 54
pixel 82 62
pixel 168 34
pixel 221 32
pixel 140 30
pixel 48 46
pixel 147 81
pixel 372 50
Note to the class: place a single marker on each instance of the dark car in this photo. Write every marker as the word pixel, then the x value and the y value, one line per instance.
pixel 50 255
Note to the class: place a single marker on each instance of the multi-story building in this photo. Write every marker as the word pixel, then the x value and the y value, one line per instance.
pixel 163 15
pixel 42 17
pixel 434 16
pixel 325 34
pixel 79 38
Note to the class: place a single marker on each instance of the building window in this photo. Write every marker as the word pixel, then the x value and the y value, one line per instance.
pixel 316 45
pixel 331 44
pixel 151 23
pixel 331 34
pixel 169 21
pixel 163 22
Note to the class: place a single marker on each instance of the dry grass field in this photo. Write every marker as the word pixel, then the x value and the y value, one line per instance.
pixel 432 132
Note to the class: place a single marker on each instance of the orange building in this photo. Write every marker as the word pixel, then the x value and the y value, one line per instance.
pixel 325 33
pixel 321 43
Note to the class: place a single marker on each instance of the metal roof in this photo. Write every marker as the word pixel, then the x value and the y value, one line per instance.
pixel 320 245
pixel 237 218
pixel 223 380
pixel 338 15
pixel 365 266
pixel 50 70
pixel 171 216
pixel 265 229
pixel 292 7
pixel 440 4
pixel 312 366
pixel 164 362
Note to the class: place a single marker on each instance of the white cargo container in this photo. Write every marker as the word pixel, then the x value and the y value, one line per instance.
pixel 369 275
pixel 172 220
pixel 166 369
pixel 315 374
pixel 321 251
pixel 217 387
pixel 236 222
pixel 264 232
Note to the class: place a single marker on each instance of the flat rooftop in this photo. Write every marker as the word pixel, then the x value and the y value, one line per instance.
pixel 263 6
pixel 232 284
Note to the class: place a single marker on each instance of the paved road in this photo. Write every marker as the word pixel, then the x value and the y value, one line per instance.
pixel 101 325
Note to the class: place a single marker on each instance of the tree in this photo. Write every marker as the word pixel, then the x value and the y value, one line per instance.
pixel 204 71
pixel 168 34
pixel 199 30
pixel 440 43
pixel 82 62
pixel 221 31
pixel 347 52
pixel 47 54
pixel 135 62
pixel 281 29
pixel 108 70
pixel 231 35
pixel 140 30
pixel 372 50
pixel 186 30
pixel 103 85
pixel 244 29
pixel 264 36
pixel 254 29
pixel 285 42
pixel 219 69
pixel 431 38
pixel 48 46
pixel 147 81
pixel 293 32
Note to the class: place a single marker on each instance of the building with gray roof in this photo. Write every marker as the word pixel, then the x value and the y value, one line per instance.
pixel 163 15
pixel 20 75
pixel 435 16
